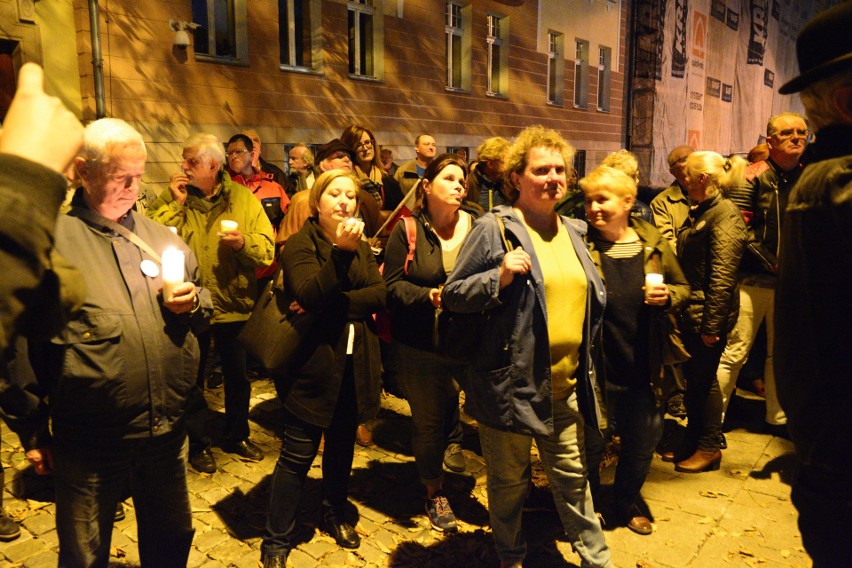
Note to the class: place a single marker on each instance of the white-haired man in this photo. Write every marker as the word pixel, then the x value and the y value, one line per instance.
pixel 813 307
pixel 118 376
pixel 198 200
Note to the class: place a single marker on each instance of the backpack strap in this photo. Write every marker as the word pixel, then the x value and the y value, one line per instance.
pixel 506 244
pixel 411 234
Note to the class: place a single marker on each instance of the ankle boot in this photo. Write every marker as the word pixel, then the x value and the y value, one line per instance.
pixel 700 461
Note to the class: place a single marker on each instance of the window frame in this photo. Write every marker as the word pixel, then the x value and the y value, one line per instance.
pixel 581 74
pixel 555 68
pixel 497 34
pixel 374 42
pixel 462 34
pixel 604 90
pixel 240 32
pixel 314 37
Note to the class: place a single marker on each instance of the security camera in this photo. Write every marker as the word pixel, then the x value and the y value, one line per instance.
pixel 181 40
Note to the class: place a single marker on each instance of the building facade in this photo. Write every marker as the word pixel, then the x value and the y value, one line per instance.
pixel 302 70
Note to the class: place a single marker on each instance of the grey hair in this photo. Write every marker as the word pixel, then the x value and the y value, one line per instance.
pixel 818 100
pixel 101 136
pixel 308 156
pixel 208 146
pixel 770 125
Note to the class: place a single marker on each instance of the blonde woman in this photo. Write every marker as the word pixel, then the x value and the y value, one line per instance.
pixel 710 247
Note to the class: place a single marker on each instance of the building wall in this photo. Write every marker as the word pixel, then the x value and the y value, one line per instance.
pixel 168 94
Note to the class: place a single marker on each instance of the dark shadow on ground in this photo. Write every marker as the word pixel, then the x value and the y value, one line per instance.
pixel 244 514
pixel 785 466
pixel 394 490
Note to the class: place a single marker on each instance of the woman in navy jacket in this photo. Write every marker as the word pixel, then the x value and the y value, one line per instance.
pixel 529 379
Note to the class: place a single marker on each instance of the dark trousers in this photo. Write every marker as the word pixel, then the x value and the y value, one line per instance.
pixel 638 421
pixel 703 396
pixel 298 450
pixel 92 479
pixel 237 388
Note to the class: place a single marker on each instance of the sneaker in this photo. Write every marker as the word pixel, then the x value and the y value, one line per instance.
pixel 454 458
pixel 9 529
pixel 440 514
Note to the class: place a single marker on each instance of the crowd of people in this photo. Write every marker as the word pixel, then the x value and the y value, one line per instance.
pixel 591 314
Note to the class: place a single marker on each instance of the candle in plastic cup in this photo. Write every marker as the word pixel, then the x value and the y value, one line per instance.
pixel 652 280
pixel 228 225
pixel 173 262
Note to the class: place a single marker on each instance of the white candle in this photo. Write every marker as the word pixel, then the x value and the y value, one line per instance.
pixel 173 262
pixel 227 225
pixel 652 280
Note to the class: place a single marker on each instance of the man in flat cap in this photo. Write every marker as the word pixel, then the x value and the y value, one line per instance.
pixel 813 305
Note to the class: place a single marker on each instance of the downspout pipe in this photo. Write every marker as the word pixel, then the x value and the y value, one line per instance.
pixel 97 60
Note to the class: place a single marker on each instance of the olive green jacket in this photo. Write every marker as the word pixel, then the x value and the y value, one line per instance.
pixel 227 274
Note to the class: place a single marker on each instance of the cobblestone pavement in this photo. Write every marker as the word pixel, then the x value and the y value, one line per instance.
pixel 738 516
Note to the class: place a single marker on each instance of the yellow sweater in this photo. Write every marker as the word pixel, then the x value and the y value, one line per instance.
pixel 565 297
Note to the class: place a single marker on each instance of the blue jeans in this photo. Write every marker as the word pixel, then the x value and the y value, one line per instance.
pixel 91 480
pixel 507 457
pixel 426 380
pixel 639 422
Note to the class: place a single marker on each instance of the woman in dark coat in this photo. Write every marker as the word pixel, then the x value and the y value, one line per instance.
pixel 625 249
pixel 710 247
pixel 414 288
pixel 330 273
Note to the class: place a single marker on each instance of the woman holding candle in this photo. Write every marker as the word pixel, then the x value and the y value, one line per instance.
pixel 414 288
pixel 710 247
pixel 642 278
pixel 334 385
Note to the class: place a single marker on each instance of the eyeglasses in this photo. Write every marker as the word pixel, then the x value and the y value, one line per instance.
pixel 235 153
pixel 789 132
pixel 363 145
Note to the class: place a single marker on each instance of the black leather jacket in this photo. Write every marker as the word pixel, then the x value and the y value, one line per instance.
pixel 710 247
pixel 762 199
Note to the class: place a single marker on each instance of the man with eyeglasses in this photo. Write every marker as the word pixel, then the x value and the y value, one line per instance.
pixel 763 199
pixel 278 175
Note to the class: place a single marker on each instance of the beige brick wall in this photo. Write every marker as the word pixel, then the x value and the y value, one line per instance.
pixel 168 94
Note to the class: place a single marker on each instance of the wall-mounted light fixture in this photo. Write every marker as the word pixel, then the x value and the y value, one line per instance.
pixel 181 35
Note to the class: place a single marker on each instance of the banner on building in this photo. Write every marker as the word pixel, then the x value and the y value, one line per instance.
pixel 717 75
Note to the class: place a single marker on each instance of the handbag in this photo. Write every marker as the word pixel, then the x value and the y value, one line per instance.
pixel 274 333
pixel 457 335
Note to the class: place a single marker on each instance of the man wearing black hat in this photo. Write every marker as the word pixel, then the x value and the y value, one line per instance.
pixel 333 155
pixel 813 307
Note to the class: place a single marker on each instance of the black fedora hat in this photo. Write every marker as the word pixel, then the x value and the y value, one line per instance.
pixel 330 148
pixel 824 47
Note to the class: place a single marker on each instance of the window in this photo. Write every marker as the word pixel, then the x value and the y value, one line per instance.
pixel 455 32
pixel 365 32
pixel 458 46
pixel 498 61
pixel 604 79
pixel 296 21
pixel 581 74
pixel 555 67
pixel 221 35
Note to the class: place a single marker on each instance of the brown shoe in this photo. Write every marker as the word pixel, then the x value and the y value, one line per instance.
pixel 668 456
pixel 640 524
pixel 363 435
pixel 700 461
